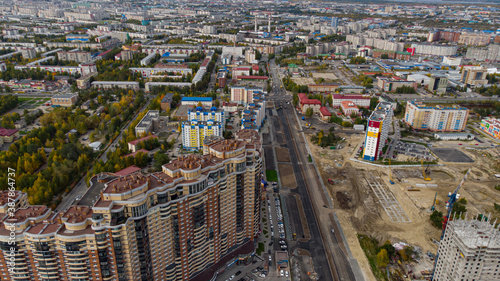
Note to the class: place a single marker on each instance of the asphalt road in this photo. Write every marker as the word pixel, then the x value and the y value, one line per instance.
pixel 325 266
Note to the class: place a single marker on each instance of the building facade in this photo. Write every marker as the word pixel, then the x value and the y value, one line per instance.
pixel 198 214
pixel 469 250
pixel 194 132
pixel 64 99
pixel 491 126
pixel 474 75
pixel 359 100
pixel 378 128
pixel 438 83
pixel 201 114
pixel 148 123
pixel 436 119
pixel 305 103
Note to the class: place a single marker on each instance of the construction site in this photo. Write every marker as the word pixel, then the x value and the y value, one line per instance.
pixel 394 202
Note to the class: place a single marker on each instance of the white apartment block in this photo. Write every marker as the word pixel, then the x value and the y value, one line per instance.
pixel 377 131
pixel 434 50
pixel 469 251
pixel 436 119
pixel 194 132
pixel 207 115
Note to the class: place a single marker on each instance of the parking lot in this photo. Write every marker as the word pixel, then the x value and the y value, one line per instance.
pixel 452 155
pixel 413 150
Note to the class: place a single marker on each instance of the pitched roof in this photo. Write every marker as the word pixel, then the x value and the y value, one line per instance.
pixel 127 171
pixel 324 111
pixel 135 142
pixel 7 132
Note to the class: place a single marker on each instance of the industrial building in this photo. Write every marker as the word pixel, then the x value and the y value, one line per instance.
pixel 469 250
pixel 436 118
pixel 378 128
pixel 183 223
pixel 392 84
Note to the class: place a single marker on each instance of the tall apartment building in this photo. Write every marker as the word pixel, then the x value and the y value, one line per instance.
pixel 28 53
pixel 250 55
pixel 434 50
pixel 194 132
pixel 469 250
pixel 436 119
pixel 378 128
pixel 474 39
pixel 184 223
pixel 491 53
pixel 474 75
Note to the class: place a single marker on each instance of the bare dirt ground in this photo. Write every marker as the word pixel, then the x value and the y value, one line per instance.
pixel 324 75
pixel 303 80
pixel 287 176
pixel 359 210
pixel 282 154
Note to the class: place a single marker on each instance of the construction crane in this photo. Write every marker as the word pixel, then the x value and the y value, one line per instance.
pixel 391 180
pixel 449 207
pixel 434 202
pixel 453 198
pixel 425 175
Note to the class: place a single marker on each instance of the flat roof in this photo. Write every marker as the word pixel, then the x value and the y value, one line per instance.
pixel 197 99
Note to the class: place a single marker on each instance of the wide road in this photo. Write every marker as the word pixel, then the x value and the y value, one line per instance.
pixel 328 261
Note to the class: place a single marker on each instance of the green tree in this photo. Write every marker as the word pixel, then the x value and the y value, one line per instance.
pixel 382 258
pixel 309 112
pixel 437 219
pixel 295 99
pixel 160 159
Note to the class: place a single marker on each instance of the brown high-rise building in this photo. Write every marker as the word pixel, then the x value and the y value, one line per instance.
pixel 184 223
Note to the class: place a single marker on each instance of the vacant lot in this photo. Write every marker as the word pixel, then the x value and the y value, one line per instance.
pixel 303 80
pixel 282 154
pixel 324 75
pixel 287 176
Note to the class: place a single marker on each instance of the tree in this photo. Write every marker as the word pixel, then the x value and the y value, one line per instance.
pixel 160 159
pixel 295 99
pixel 320 136
pixel 382 258
pixel 437 219
pixel 309 112
pixel 227 134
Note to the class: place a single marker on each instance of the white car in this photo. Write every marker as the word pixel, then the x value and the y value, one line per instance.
pixel 286 274
pixel 282 272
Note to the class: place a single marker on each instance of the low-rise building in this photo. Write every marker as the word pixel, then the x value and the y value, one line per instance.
pixel 116 84
pixel 134 145
pixel 348 108
pixel 222 79
pixel 324 113
pixel 305 103
pixel 438 83
pixel 148 123
pixel 166 101
pixel 230 107
pixel 323 88
pixel 196 101
pixel 84 81
pixel 358 100
pixel 454 136
pixel 64 99
pixel 392 84
pixel 8 135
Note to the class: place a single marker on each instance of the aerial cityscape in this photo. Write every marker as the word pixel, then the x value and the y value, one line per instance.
pixel 244 140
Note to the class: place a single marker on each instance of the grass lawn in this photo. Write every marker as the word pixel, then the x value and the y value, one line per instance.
pixel 24 99
pixel 271 175
pixel 23 132
pixel 260 248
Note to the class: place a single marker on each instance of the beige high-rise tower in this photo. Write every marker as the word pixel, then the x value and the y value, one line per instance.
pixel 184 223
